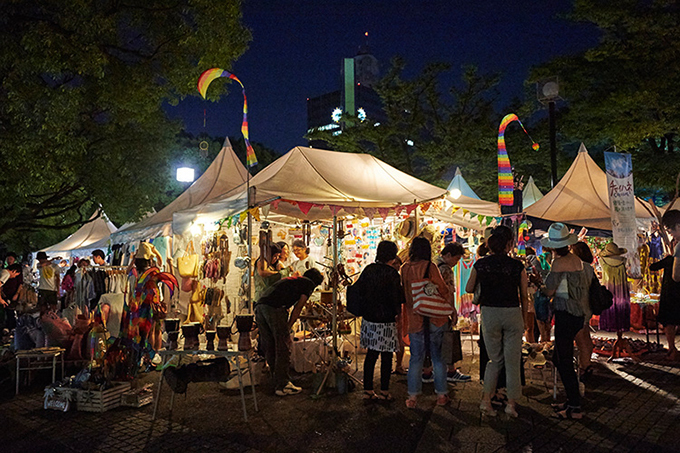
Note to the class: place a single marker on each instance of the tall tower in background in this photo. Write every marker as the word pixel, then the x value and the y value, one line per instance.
pixel 356 95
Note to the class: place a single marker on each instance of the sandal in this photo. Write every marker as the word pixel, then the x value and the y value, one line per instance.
pixel 487 409
pixel 443 400
pixel 400 372
pixel 384 396
pixel 370 395
pixel 411 402
pixel 558 407
pixel 570 413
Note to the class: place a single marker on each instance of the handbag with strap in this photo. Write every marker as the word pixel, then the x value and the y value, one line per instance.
pixel 599 296
pixel 452 346
pixel 426 298
pixel 187 265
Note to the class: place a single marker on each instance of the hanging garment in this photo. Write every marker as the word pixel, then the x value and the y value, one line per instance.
pixel 617 317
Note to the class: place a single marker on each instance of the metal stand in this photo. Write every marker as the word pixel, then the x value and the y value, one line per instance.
pixel 170 355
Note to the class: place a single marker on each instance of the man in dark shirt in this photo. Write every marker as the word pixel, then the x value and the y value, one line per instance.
pixel 274 323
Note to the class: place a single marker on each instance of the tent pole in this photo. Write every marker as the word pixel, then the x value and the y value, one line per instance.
pixel 335 283
pixel 250 250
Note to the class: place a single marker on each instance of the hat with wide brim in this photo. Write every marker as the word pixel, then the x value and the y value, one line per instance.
pixel 41 256
pixel 612 250
pixel 558 236
pixel 407 229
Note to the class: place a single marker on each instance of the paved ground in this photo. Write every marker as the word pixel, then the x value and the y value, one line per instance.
pixel 629 407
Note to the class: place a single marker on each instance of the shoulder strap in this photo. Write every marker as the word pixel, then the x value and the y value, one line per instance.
pixel 426 275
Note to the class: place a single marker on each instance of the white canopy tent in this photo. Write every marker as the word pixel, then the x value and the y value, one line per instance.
pixel 85 240
pixel 531 193
pixel 465 209
pixel 459 186
pixel 224 173
pixel 580 198
pixel 313 184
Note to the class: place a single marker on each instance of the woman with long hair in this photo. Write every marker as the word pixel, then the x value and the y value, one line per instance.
pixel 583 340
pixel 267 271
pixel 424 331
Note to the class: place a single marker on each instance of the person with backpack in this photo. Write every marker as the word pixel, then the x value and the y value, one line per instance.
pixel 381 298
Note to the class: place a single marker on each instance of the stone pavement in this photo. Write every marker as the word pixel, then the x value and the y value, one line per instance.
pixel 629 407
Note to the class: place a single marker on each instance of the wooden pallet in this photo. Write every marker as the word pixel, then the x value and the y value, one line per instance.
pixel 102 400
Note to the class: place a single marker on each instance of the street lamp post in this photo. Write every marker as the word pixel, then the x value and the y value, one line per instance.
pixel 547 92
pixel 553 144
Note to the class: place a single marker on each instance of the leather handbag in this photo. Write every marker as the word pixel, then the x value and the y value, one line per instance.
pixel 452 346
pixel 426 298
pixel 187 265
pixel 187 284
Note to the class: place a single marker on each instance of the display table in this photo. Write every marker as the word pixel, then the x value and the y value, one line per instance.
pixel 643 312
pixel 168 356
pixel 38 359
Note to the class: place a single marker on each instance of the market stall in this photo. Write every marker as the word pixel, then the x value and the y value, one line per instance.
pixel 86 239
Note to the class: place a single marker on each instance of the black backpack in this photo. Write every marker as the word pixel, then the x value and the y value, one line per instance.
pixel 600 297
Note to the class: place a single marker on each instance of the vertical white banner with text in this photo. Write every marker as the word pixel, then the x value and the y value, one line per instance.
pixel 619 168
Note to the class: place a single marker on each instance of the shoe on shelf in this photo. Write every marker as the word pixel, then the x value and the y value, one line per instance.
pixel 428 378
pixel 457 376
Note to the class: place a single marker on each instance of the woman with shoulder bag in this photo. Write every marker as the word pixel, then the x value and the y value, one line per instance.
pixel 568 282
pixel 423 330
pixel 503 292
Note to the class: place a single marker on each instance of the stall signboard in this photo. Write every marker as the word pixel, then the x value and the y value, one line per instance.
pixel 619 168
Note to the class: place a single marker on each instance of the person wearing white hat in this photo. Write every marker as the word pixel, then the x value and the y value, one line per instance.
pixel 568 282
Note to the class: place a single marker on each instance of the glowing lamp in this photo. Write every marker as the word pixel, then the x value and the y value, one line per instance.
pixel 456 193
pixel 185 174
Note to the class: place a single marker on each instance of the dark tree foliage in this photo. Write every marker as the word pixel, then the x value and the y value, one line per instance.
pixel 625 92
pixel 82 85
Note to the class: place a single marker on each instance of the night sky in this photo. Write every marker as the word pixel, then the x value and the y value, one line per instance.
pixel 298 47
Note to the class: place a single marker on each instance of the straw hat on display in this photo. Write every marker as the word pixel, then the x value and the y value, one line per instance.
pixel 558 236
pixel 613 254
pixel 407 229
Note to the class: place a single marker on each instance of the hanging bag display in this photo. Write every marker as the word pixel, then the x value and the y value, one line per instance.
pixel 187 265
pixel 426 298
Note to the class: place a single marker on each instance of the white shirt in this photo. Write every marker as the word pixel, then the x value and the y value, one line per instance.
pixel 48 281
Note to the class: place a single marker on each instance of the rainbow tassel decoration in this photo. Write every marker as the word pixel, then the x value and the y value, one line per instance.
pixel 204 81
pixel 505 181
pixel 521 243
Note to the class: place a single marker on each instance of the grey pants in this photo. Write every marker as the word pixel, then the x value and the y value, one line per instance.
pixel 503 329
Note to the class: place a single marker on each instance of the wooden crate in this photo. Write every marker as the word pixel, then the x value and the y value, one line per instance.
pixel 138 397
pixel 60 398
pixel 102 401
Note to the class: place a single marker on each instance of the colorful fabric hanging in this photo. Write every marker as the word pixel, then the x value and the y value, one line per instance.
pixel 204 81
pixel 505 180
